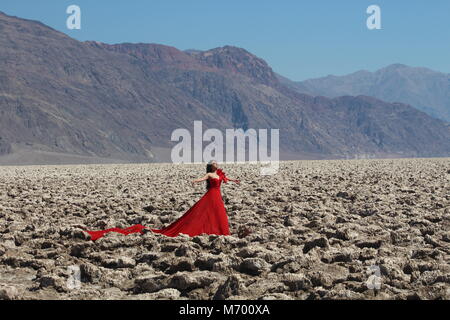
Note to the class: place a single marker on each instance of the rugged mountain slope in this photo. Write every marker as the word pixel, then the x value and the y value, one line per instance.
pixel 122 102
pixel 422 88
pixel 61 95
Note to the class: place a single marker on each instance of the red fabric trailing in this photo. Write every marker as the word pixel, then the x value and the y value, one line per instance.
pixel 133 229
pixel 207 216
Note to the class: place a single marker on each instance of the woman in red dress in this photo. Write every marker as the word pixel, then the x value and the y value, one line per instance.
pixel 207 216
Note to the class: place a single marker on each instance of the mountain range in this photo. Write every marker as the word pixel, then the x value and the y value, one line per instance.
pixel 423 88
pixel 67 101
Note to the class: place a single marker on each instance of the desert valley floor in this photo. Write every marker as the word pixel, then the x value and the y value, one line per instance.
pixel 317 228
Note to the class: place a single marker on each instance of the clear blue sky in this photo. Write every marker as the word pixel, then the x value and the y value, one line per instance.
pixel 299 39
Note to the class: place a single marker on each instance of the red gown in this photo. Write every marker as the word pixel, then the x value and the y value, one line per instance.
pixel 208 216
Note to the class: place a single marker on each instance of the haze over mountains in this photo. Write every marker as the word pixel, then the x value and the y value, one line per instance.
pixel 422 88
pixel 66 101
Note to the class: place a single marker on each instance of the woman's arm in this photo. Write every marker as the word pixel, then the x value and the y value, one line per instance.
pixel 201 179
pixel 234 180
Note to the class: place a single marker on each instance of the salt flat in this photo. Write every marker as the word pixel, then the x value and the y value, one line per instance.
pixel 316 229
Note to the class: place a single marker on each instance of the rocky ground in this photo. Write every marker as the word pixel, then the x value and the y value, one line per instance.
pixel 315 230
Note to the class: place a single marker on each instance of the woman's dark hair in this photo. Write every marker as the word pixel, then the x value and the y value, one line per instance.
pixel 208 170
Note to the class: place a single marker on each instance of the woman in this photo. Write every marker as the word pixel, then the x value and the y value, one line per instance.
pixel 208 215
